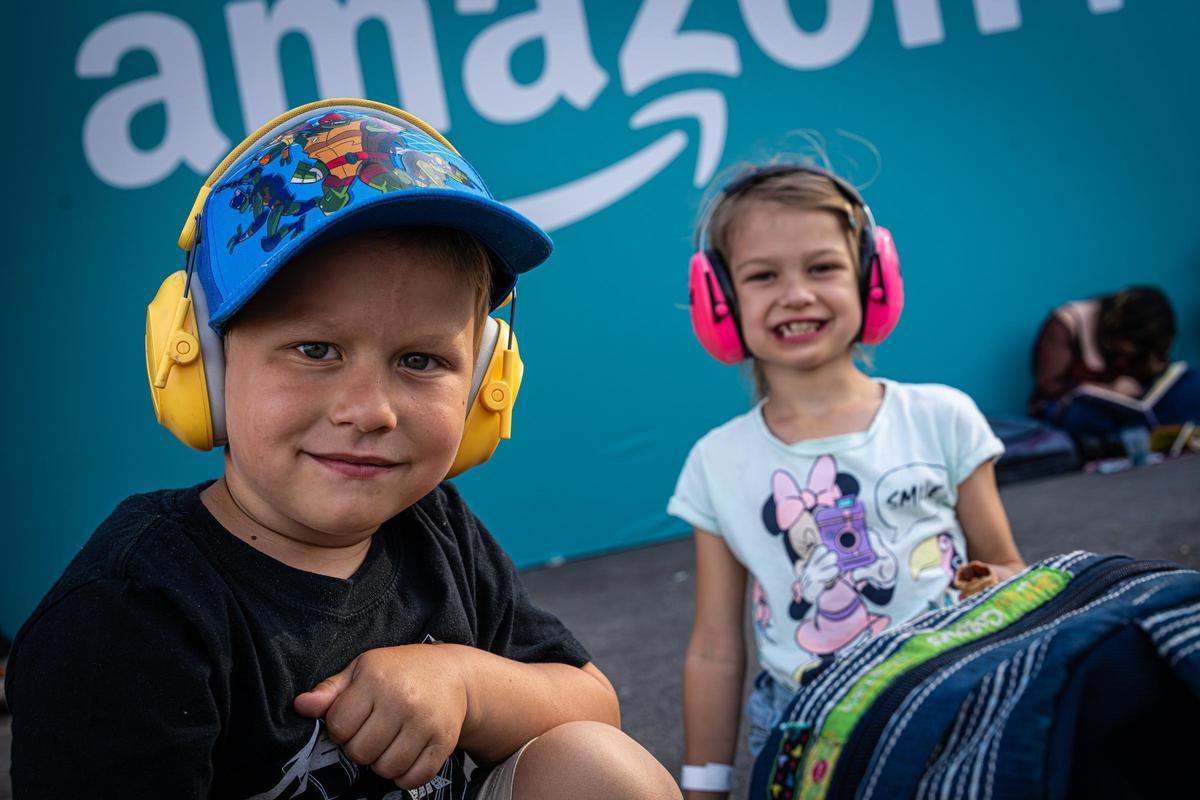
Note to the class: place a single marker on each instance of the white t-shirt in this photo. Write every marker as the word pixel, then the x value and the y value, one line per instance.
pixel 845 535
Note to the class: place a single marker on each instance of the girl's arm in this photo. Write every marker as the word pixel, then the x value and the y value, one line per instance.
pixel 715 664
pixel 981 514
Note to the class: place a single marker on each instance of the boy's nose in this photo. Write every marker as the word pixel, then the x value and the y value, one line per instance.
pixel 365 402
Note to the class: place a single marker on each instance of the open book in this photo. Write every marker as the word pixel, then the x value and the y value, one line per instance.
pixel 1126 410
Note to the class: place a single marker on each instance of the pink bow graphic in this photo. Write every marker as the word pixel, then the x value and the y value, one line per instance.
pixel 791 502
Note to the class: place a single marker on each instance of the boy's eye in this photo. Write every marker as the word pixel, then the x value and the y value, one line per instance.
pixel 418 362
pixel 317 351
pixel 759 276
pixel 826 267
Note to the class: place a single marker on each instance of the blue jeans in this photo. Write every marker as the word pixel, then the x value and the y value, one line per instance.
pixel 764 709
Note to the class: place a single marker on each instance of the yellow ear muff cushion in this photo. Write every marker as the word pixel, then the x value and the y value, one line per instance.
pixel 491 405
pixel 181 403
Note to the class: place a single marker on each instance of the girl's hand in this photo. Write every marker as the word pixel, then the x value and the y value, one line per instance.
pixel 399 710
pixel 973 577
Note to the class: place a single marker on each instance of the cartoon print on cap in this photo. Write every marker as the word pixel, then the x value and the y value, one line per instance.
pixel 268 200
pixel 341 150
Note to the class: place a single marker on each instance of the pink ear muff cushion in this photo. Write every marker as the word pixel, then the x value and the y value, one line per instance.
pixel 885 297
pixel 712 319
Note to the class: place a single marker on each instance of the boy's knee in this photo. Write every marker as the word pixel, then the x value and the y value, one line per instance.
pixel 590 759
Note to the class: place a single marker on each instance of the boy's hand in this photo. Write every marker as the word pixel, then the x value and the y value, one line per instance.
pixel 399 710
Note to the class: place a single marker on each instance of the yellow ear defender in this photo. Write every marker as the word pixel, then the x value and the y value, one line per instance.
pixel 494 387
pixel 187 378
pixel 185 359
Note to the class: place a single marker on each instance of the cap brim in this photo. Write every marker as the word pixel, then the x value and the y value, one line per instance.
pixel 516 243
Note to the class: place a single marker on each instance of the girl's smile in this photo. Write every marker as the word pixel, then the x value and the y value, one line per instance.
pixel 796 281
pixel 798 331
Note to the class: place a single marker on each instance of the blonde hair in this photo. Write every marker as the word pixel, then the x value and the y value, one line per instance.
pixel 799 188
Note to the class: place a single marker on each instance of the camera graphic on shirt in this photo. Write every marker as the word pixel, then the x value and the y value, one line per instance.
pixel 843 530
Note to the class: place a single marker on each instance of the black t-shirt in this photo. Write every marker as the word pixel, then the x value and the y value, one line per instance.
pixel 163 664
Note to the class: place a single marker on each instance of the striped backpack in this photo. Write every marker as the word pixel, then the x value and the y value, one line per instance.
pixel 1080 677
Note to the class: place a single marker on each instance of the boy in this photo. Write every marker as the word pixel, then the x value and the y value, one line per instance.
pixel 173 657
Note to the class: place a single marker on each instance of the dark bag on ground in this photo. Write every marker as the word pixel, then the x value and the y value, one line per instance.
pixel 1080 677
pixel 1032 449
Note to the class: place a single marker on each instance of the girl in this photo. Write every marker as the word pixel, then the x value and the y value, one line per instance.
pixel 848 500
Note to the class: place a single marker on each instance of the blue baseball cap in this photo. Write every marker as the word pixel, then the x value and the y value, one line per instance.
pixel 336 167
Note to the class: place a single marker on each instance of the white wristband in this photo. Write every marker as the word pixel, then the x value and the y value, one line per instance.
pixel 712 777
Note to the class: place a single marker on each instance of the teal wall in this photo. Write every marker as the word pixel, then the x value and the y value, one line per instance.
pixel 1027 153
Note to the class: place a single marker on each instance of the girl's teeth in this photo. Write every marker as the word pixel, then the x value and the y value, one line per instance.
pixel 798 328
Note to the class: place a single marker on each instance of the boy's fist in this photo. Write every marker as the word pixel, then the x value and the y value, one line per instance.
pixel 399 710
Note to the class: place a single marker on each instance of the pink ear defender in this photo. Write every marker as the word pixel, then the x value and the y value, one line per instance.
pixel 712 314
pixel 885 288
pixel 710 289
